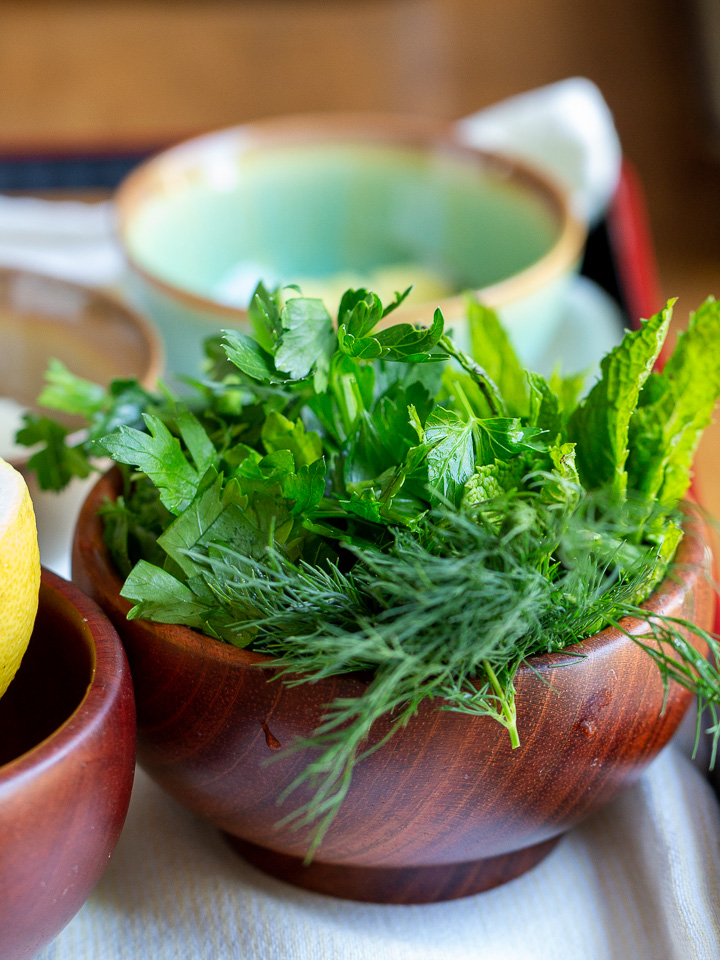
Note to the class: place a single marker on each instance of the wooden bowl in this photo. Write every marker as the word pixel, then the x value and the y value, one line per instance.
pixel 445 808
pixel 67 751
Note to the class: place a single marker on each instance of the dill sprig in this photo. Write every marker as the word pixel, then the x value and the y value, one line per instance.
pixel 447 613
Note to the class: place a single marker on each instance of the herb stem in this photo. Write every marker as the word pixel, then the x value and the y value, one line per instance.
pixel 479 375
pixel 507 706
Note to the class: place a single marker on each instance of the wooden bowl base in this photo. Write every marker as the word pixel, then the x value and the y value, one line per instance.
pixel 401 885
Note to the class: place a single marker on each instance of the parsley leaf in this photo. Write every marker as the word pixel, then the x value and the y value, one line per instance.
pixel 160 456
pixel 56 464
pixel 307 341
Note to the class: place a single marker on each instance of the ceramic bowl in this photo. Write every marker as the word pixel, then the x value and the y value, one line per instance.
pixel 445 808
pixel 67 754
pixel 97 337
pixel 343 200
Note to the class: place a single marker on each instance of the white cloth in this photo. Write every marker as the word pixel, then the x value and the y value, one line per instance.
pixel 565 129
pixel 640 880
pixel 67 239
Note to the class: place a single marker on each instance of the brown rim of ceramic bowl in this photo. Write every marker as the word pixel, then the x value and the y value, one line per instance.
pixel 691 560
pixel 403 130
pixel 108 675
pixel 156 351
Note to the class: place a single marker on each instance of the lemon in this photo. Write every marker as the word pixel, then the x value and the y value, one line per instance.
pixel 19 571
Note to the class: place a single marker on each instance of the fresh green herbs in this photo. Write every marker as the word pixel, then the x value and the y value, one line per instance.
pixel 371 498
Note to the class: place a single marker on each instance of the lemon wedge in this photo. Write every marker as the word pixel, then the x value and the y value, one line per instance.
pixel 19 571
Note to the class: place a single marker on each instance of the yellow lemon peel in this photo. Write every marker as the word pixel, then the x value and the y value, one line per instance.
pixel 19 571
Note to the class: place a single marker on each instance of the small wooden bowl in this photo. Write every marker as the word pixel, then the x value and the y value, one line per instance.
pixel 445 808
pixel 67 752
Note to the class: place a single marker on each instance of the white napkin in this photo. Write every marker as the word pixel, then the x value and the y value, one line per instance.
pixel 565 129
pixel 67 239
pixel 640 879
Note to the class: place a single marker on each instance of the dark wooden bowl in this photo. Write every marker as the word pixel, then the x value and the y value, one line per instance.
pixel 67 752
pixel 444 809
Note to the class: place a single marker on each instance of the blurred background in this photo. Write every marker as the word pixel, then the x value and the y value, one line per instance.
pixel 90 85
pixel 116 76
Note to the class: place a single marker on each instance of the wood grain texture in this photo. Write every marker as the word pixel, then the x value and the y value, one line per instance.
pixel 444 793
pixel 67 752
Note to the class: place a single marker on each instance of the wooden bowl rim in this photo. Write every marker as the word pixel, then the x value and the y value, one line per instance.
pixel 690 560
pixel 393 129
pixel 109 675
pixel 149 335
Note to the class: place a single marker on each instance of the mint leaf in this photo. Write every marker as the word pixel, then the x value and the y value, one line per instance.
pixel 675 407
pixel 600 424
pixel 566 488
pixel 160 456
pixel 487 482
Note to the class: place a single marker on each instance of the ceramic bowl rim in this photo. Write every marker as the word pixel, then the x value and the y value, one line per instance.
pixel 148 333
pixel 392 129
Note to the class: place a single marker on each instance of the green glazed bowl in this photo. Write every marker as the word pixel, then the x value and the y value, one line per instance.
pixel 342 200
